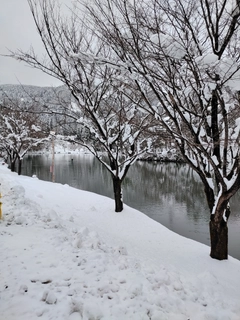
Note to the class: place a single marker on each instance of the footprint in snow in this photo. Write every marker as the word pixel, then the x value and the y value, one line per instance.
pixel 49 297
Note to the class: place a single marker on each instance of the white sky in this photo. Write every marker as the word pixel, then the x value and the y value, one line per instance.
pixel 18 31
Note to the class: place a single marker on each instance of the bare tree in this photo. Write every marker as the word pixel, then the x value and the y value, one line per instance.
pixel 184 59
pixel 101 101
pixel 20 132
pixel 117 131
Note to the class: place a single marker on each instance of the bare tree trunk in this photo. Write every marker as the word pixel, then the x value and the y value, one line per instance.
pixel 19 167
pixel 219 233
pixel 12 158
pixel 117 187
pixel 12 164
pixel 219 240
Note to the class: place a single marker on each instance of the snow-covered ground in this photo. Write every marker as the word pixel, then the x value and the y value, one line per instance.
pixel 65 254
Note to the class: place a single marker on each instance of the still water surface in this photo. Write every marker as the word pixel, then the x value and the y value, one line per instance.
pixel 168 193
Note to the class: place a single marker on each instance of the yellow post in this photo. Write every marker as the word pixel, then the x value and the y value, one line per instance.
pixel 0 206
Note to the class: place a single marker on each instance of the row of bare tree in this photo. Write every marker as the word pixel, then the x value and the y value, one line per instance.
pixel 174 64
pixel 20 131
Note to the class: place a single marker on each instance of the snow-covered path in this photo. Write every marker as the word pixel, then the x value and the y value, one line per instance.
pixel 65 254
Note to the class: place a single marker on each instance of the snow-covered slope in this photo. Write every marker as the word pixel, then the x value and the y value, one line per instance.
pixel 29 93
pixel 65 254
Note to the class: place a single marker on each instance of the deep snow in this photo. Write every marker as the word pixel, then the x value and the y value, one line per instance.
pixel 65 254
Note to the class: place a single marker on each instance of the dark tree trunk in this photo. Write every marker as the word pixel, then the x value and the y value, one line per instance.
pixel 12 158
pixel 117 187
pixel 219 232
pixel 215 128
pixel 13 162
pixel 19 166
pixel 219 240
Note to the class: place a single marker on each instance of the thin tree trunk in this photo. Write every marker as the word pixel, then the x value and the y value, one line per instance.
pixel 19 166
pixel 13 162
pixel 117 187
pixel 214 127
pixel 219 234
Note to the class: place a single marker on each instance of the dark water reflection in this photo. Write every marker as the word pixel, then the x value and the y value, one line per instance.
pixel 168 193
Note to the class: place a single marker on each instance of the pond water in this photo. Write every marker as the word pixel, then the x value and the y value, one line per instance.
pixel 169 193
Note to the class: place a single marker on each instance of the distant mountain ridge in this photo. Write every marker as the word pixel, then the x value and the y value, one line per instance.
pixel 29 93
pixel 50 102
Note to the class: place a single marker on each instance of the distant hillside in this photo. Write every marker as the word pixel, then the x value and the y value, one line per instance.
pixel 45 95
pixel 51 102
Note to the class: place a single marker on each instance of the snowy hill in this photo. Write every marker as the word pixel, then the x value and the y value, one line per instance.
pixel 29 93
pixel 50 102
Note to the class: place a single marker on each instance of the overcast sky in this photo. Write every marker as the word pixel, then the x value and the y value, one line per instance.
pixel 17 31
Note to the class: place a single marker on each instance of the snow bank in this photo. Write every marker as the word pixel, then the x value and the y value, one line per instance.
pixel 65 254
